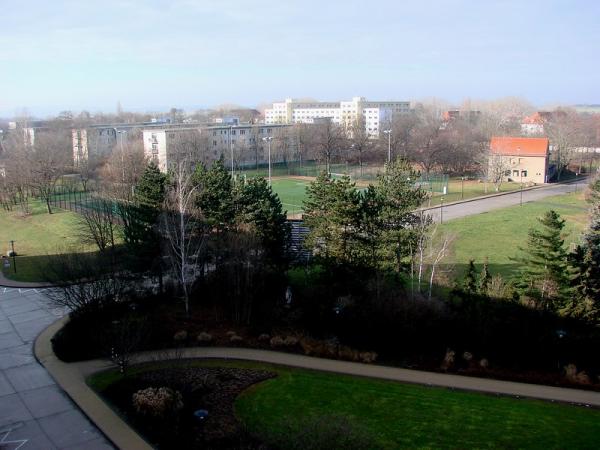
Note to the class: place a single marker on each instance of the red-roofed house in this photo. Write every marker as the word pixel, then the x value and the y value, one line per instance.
pixel 520 159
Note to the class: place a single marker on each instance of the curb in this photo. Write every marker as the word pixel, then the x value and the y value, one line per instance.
pixel 72 379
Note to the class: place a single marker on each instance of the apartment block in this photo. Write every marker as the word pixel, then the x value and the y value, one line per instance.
pixel 243 143
pixel 375 115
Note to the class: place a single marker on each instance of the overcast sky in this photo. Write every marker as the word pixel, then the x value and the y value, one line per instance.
pixel 88 54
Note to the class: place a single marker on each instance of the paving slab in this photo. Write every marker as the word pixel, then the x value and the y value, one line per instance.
pixel 29 330
pixel 12 410
pixel 45 401
pixel 28 394
pixel 5 326
pixel 5 386
pixel 28 434
pixel 27 316
pixel 30 376
pixel 10 339
pixel 68 429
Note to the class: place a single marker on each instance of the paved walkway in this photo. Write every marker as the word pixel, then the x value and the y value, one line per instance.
pixel 484 204
pixel 35 413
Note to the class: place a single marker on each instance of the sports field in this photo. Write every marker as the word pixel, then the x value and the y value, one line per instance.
pixel 291 191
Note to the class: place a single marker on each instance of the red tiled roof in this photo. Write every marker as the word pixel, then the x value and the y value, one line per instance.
pixel 513 146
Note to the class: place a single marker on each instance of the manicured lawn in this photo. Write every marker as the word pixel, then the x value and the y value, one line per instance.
pixel 409 416
pixel 498 234
pixel 36 237
pixel 292 192
pixel 397 415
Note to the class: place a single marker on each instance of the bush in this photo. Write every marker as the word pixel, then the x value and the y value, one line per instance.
pixel 157 402
pixel 180 336
pixel 204 338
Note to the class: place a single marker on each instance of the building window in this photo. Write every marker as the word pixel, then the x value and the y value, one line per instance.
pixel 233 132
pixel 215 143
pixel 242 131
pixel 524 173
pixel 515 173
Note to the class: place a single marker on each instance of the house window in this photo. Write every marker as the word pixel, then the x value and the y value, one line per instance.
pixel 515 173
pixel 524 173
pixel 215 143
pixel 507 173
pixel 233 132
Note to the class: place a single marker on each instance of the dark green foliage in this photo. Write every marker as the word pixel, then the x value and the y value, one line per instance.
pixel 470 281
pixel 261 208
pixel 375 228
pixel 546 277
pixel 332 212
pixel 485 278
pixel 216 195
pixel 401 197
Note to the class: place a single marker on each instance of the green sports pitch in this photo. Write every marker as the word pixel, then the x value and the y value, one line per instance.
pixel 292 192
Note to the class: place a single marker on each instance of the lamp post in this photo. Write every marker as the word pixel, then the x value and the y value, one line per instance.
pixel 389 133
pixel 121 132
pixel 268 140
pixel 442 210
pixel 521 201
pixel 462 188
pixel 13 254
pixel 231 148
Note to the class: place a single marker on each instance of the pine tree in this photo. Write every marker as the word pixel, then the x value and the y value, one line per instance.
pixel 261 208
pixel 546 277
pixel 470 281
pixel 485 278
pixel 216 195
pixel 401 196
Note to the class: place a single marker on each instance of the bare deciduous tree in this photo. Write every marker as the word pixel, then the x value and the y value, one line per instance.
pixel 183 229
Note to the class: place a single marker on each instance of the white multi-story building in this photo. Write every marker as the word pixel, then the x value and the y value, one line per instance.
pixel 245 144
pixel 374 115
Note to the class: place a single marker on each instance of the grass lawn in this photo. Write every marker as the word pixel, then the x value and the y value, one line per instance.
pixel 462 190
pixel 397 415
pixel 498 234
pixel 36 236
pixel 292 192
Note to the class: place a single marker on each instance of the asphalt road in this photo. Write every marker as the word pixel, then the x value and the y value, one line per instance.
pixel 469 208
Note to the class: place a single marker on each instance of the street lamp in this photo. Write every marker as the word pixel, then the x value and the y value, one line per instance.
pixel 462 188
pixel 231 148
pixel 389 133
pixel 121 132
pixel 268 140
pixel 442 210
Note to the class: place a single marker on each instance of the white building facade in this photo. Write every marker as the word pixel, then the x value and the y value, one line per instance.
pixel 246 144
pixel 376 116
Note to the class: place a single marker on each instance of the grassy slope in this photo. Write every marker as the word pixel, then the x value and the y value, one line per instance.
pixel 36 236
pixel 400 415
pixel 498 234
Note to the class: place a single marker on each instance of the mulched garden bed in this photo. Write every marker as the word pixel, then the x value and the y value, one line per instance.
pixel 210 388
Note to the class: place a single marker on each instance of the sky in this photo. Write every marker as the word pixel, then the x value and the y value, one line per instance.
pixel 153 54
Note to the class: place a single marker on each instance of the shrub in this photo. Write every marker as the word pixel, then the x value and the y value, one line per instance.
pixel 180 336
pixel 448 361
pixel 204 338
pixel 276 341
pixel 231 333
pixel 368 357
pixel 264 337
pixel 290 341
pixel 235 339
pixel 157 402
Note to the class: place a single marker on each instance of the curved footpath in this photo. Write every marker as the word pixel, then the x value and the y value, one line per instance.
pixel 71 377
